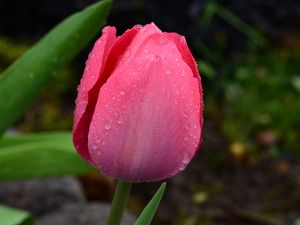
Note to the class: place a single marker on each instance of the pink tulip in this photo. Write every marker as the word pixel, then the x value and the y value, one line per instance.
pixel 138 113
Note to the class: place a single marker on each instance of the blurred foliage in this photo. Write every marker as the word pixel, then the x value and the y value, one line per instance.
pixel 260 101
pixel 53 153
pixel 51 111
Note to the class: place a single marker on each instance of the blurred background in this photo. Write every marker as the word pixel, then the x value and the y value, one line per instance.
pixel 248 53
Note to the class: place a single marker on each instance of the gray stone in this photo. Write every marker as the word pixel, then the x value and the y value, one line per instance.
pixel 41 196
pixel 81 214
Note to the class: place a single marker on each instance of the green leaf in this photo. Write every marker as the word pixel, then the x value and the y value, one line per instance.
pixel 148 213
pixel 63 138
pixel 296 82
pixel 41 155
pixel 10 216
pixel 206 70
pixel 22 82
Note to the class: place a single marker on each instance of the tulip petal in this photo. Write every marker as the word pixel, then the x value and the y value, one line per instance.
pixel 185 51
pixel 187 56
pixel 139 40
pixel 146 124
pixel 92 72
pixel 101 62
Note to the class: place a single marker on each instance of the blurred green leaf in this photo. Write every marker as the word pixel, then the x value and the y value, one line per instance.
pixel 297 222
pixel 41 155
pixel 209 12
pixel 253 35
pixel 213 8
pixel 148 213
pixel 63 138
pixel 296 82
pixel 206 70
pixel 10 216
pixel 21 83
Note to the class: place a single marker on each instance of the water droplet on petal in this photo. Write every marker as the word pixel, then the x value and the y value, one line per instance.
pixel 108 125
pixel 94 146
pixel 120 120
pixel 181 167
pixel 122 92
pixel 185 115
pixel 186 158
pixel 103 143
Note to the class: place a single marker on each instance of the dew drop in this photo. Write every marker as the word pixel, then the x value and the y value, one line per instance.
pixel 107 126
pixel 185 115
pixel 122 92
pixel 103 143
pixel 120 120
pixel 181 167
pixel 186 158
pixel 94 146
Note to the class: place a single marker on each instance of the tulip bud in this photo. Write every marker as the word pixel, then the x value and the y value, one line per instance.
pixel 138 114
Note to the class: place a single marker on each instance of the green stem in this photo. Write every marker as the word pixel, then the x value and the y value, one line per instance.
pixel 118 203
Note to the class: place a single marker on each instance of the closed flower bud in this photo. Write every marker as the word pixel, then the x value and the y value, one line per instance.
pixel 138 114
